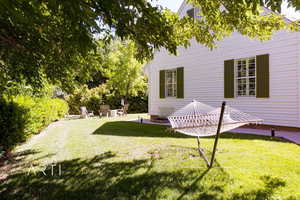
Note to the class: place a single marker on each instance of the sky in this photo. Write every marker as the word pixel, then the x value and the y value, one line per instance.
pixel 175 4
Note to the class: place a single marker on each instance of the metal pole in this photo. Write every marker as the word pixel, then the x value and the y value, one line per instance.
pixel 202 154
pixel 217 135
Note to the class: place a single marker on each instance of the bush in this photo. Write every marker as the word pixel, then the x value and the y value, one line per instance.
pixel 90 98
pixel 138 104
pixel 23 116
pixel 13 121
pixel 93 98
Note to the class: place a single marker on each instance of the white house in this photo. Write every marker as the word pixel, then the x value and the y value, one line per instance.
pixel 260 78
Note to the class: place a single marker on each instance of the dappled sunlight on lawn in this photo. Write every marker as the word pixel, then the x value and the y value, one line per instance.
pixel 100 178
pixel 112 158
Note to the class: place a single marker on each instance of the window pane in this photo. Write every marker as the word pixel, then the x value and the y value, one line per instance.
pixel 169 92
pixel 252 67
pixel 252 61
pixel 252 92
pixel 169 74
pixel 174 77
pixel 241 87
pixel 174 91
pixel 169 77
pixel 241 68
pixel 251 83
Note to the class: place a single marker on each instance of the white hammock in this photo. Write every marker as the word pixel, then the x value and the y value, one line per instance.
pixel 200 120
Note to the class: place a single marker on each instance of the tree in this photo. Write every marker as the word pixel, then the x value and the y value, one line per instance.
pixel 123 70
pixel 50 39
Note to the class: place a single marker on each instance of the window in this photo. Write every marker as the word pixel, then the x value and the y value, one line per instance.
pixel 245 77
pixel 193 13
pixel 171 86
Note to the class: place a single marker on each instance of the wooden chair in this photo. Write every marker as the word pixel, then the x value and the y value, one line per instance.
pixel 104 111
pixel 85 113
pixel 123 111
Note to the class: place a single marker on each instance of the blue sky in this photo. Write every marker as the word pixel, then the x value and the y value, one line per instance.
pixel 175 4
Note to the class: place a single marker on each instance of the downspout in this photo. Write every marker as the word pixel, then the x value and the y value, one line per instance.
pixel 298 65
pixel 149 69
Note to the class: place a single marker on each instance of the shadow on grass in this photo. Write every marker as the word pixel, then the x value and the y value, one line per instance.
pixel 100 178
pixel 123 128
pixel 18 161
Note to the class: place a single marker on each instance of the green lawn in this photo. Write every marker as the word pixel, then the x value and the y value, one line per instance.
pixel 113 159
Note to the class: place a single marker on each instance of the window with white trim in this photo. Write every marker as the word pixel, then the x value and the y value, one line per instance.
pixel 245 77
pixel 193 13
pixel 171 83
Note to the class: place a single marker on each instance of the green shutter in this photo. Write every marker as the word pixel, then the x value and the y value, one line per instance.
pixel 180 82
pixel 229 79
pixel 162 86
pixel 262 76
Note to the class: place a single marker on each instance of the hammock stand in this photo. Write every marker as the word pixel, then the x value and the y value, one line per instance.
pixel 201 120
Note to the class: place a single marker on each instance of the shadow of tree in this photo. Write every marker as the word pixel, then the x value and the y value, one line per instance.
pixel 18 161
pixel 97 178
pixel 271 184
pixel 124 128
pixel 102 177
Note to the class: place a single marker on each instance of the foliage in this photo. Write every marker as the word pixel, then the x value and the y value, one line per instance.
pixel 138 104
pixel 124 72
pixel 53 39
pixel 93 98
pixel 13 121
pixel 23 116
pixel 83 96
pixel 220 18
pixel 13 88
pixel 121 77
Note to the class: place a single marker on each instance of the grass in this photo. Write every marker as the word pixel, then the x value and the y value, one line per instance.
pixel 113 159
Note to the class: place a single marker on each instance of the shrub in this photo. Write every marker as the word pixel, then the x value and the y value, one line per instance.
pixel 13 121
pixel 23 116
pixel 83 96
pixel 138 104
pixel 93 98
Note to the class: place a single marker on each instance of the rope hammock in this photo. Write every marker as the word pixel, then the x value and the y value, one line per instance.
pixel 201 120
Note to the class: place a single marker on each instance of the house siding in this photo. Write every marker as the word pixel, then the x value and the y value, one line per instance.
pixel 204 81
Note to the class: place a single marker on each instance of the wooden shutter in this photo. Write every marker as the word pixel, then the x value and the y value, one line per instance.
pixel 162 84
pixel 180 82
pixel 229 78
pixel 262 76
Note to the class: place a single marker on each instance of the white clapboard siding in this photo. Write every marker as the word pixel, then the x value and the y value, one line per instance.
pixel 204 71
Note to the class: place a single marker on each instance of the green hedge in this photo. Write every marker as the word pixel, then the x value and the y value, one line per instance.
pixel 93 98
pixel 23 116
pixel 83 96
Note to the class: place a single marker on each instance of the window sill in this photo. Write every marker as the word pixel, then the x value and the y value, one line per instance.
pixel 245 97
pixel 170 97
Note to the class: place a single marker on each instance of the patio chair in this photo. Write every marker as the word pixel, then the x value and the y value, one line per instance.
pixel 104 110
pixel 123 110
pixel 85 113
